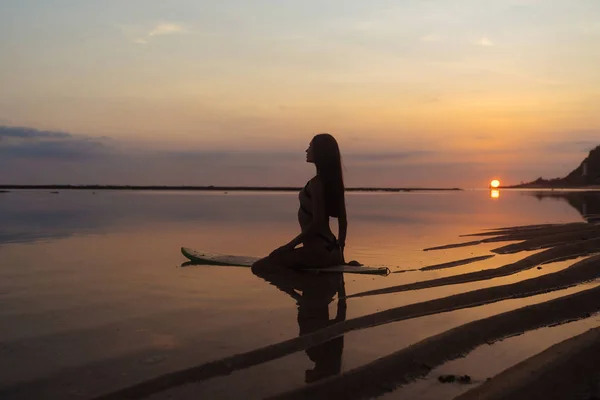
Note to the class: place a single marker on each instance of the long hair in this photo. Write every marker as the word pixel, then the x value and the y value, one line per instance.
pixel 329 169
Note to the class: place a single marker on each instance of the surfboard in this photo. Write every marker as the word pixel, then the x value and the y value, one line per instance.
pixel 206 258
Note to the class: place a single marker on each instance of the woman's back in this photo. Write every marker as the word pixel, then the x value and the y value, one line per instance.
pixel 305 213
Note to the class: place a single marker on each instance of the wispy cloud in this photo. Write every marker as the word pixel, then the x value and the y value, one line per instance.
pixel 484 41
pixel 162 29
pixel 573 145
pixel 29 133
pixel 431 38
pixel 166 29
pixel 29 143
pixel 390 156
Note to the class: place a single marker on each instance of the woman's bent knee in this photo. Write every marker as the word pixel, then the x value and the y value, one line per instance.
pixel 266 264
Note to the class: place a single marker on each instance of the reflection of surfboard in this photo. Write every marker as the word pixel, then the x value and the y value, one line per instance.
pixel 204 258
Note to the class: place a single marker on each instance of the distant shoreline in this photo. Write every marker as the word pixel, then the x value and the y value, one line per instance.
pixel 209 188
pixel 550 187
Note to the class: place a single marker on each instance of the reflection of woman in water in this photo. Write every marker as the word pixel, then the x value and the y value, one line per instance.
pixel 321 198
pixel 313 313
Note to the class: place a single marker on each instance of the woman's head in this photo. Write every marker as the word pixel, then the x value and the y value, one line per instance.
pixel 323 149
pixel 324 152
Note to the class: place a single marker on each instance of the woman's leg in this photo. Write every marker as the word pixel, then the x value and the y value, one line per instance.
pixel 302 257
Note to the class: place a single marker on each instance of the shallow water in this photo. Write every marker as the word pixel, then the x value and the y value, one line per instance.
pixel 93 296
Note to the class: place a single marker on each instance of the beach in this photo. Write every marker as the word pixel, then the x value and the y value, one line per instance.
pixel 96 301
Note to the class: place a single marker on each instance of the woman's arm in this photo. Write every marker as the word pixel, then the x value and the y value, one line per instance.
pixel 342 225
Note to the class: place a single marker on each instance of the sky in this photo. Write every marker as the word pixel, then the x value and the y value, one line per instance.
pixel 417 92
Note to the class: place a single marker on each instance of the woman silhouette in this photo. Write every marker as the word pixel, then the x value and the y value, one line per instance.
pixel 321 198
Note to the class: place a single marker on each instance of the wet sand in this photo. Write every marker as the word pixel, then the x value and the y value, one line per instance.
pixel 417 360
pixel 567 370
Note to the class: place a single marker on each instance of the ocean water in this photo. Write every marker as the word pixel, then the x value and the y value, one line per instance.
pixel 94 297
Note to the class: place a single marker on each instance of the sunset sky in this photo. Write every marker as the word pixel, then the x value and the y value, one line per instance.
pixel 418 92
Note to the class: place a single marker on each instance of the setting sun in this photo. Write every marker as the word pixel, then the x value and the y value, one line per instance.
pixel 495 183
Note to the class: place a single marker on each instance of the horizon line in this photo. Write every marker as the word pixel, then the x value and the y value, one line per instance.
pixel 212 188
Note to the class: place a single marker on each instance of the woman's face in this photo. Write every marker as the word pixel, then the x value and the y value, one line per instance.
pixel 310 156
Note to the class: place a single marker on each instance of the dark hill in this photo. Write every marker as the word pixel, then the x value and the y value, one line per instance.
pixel 586 174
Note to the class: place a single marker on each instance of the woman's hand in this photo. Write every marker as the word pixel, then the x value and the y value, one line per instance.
pixel 283 249
pixel 354 263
